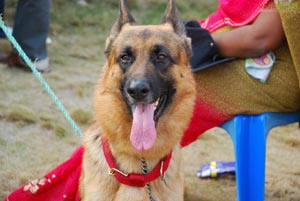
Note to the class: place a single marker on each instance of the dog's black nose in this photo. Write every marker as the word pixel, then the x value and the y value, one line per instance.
pixel 138 89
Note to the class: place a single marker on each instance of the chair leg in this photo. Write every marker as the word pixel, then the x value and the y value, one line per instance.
pixel 250 151
pixel 249 135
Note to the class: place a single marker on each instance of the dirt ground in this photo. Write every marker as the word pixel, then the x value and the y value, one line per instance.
pixel 35 137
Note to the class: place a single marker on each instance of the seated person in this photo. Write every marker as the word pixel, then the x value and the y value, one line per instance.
pixel 230 88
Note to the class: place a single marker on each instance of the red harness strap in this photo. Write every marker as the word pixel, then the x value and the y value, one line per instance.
pixel 133 179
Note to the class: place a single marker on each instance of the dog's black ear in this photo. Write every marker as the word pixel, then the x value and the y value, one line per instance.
pixel 172 16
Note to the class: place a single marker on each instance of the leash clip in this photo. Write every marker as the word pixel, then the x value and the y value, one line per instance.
pixel 112 171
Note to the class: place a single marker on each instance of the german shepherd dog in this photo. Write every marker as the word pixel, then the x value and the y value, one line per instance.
pixel 143 105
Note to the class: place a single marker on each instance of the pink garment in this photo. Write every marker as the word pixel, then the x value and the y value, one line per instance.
pixel 233 13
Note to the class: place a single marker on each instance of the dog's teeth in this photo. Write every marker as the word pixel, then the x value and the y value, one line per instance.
pixel 156 103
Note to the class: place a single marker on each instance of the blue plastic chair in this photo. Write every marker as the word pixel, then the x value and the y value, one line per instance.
pixel 249 135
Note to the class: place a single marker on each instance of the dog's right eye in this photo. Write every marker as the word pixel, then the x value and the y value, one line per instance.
pixel 125 60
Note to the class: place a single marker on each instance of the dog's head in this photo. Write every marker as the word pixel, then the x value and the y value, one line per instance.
pixel 147 90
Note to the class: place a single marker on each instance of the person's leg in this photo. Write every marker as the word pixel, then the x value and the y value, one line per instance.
pixel 226 90
pixel 2 35
pixel 233 91
pixel 31 27
pixel 2 7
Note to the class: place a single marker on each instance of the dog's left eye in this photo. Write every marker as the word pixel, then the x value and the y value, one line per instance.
pixel 161 57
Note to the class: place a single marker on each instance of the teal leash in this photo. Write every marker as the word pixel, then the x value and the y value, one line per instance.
pixel 39 76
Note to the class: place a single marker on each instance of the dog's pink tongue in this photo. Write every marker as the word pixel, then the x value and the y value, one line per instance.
pixel 143 132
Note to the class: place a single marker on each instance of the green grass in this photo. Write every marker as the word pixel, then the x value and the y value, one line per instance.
pixel 100 15
pixel 81 116
pixel 21 114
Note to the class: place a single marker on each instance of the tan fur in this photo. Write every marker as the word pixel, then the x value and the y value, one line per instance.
pixel 113 120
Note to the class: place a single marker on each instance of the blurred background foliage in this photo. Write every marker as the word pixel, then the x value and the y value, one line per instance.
pixel 98 15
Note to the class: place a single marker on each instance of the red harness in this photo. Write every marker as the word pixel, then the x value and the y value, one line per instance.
pixel 133 179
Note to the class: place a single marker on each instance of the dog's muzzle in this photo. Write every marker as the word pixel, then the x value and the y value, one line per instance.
pixel 147 103
pixel 139 90
pixel 140 99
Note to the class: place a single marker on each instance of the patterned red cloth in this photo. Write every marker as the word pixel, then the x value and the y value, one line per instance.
pixel 233 13
pixel 61 184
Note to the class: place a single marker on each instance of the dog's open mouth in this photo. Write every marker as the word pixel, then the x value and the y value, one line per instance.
pixel 159 107
pixel 145 117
